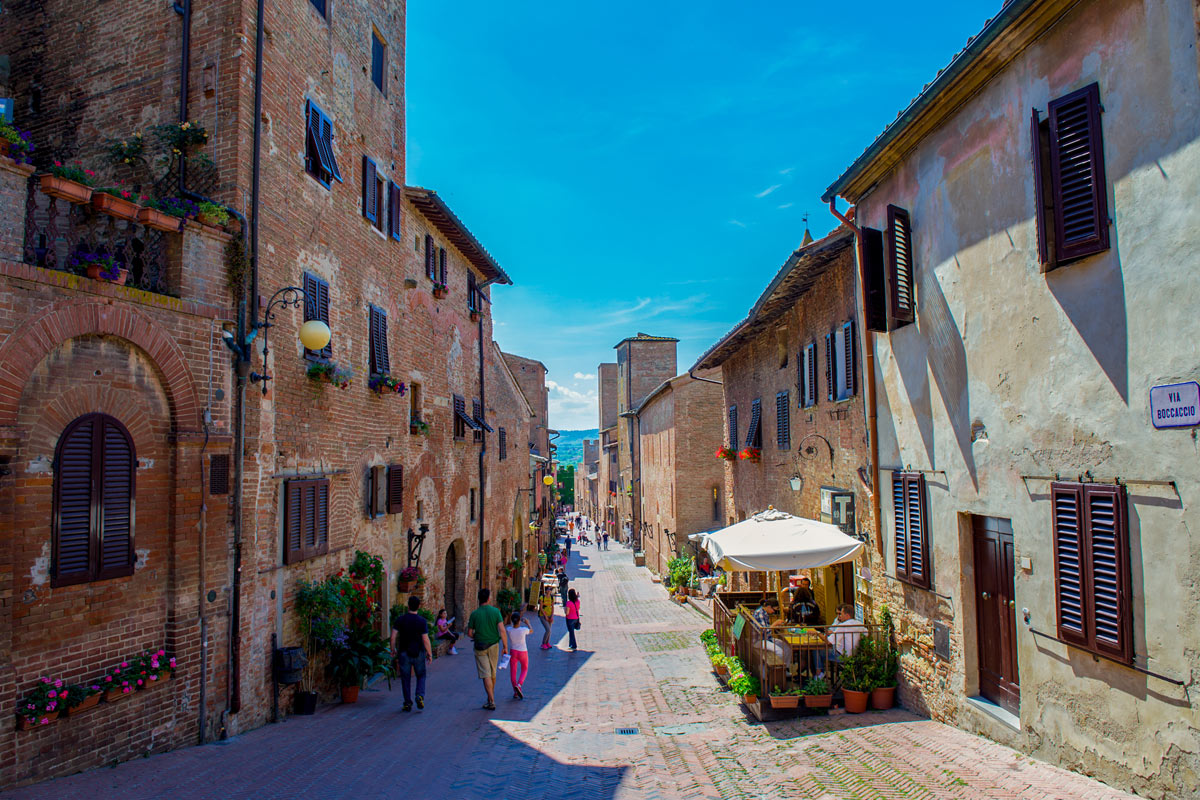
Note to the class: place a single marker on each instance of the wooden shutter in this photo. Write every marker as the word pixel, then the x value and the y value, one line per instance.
pixel 312 148
pixel 442 266
pixel 900 266
pixel 1108 573
pixel 476 413
pixel 460 413
pixel 326 144
pixel 471 303
pixel 754 430
pixel 1079 187
pixel 733 428
pixel 900 521
pixel 1039 190
pixel 395 489
pixel 849 376
pixel 503 437
pixel 293 520
pixel 377 330
pixel 305 519
pixel 218 474
pixel 370 191
pixel 394 210
pixel 430 267
pixel 874 279
pixel 1068 527
pixel 830 368
pixel 116 494
pixel 73 511
pixel 316 306
pixel 913 558
pixel 783 421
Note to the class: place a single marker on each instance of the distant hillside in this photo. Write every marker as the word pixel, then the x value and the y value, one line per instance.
pixel 570 444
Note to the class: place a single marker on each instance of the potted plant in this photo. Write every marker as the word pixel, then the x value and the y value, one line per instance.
pixel 407 578
pixel 120 682
pixel 785 698
pixel 99 267
pixel 885 667
pixel 127 150
pixel 320 608
pixel 181 137
pixel 439 289
pixel 329 372
pixel 212 215
pixel 70 182
pixel 817 693
pixel 745 686
pixel 856 678
pixel 14 144
pixel 81 698
pixel 386 384
pixel 116 201
pixel 363 654
pixel 719 664
pixel 726 453
pixel 751 454
pixel 157 669
pixel 42 705
pixel 166 214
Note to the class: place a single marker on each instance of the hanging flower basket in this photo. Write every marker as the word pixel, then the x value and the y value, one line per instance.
pixel 418 427
pixel 159 220
pixel 116 201
pixel 330 372
pixel 751 454
pixel 386 384
pixel 25 723
pixel 440 290
pixel 65 189
pixel 726 453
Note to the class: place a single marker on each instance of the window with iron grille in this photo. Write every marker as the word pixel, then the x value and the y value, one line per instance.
pixel 900 266
pixel 1070 186
pixel 316 306
pixel 911 529
pixel 319 160
pixel 95 466
pixel 1091 568
pixel 218 474
pixel 783 421
pixel 377 336
pixel 305 519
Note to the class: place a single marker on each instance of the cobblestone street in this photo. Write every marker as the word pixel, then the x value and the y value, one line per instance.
pixel 640 667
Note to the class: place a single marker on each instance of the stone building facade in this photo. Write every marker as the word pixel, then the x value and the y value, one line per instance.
pixel 682 484
pixel 606 376
pixel 530 375
pixel 1028 239
pixel 792 391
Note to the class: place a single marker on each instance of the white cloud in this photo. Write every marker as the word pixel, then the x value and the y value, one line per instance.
pixel 768 190
pixel 737 222
pixel 568 393
pixel 787 205
pixel 787 171
pixel 579 376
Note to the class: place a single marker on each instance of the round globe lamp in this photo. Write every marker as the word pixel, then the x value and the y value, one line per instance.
pixel 314 334
pixel 549 481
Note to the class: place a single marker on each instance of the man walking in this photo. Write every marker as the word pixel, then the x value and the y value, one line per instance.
pixel 563 586
pixel 569 537
pixel 605 539
pixel 486 628
pixel 410 645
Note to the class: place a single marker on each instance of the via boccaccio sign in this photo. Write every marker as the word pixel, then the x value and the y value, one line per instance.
pixel 1176 405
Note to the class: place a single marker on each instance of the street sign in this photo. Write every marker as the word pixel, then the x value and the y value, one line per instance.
pixel 1175 405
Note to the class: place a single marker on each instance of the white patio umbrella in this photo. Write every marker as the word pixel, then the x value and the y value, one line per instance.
pixel 775 541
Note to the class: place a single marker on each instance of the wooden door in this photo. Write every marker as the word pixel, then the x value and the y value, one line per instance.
pixel 996 612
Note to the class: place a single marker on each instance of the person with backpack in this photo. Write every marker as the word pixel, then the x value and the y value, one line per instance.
pixel 805 610
pixel 572 615
pixel 410 635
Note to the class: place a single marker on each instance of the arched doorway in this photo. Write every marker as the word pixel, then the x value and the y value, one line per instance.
pixel 455 583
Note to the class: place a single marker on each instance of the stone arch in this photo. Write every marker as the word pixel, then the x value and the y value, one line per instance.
pixel 33 340
pixel 455 582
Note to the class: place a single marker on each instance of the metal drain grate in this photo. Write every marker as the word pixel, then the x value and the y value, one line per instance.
pixel 627 731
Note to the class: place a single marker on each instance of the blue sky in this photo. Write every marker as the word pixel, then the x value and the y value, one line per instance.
pixel 646 166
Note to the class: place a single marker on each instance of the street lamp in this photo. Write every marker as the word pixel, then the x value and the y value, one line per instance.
pixel 314 334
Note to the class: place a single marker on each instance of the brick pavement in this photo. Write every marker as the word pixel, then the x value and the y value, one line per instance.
pixel 639 666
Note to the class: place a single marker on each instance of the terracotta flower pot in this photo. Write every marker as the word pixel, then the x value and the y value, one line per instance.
pixel 4 145
pixel 856 702
pixel 25 723
pixel 883 698
pixel 722 669
pixel 93 272
pixel 64 189
pixel 210 221
pixel 750 699
pixel 90 702
pixel 114 206
pixel 153 218
pixel 785 701
pixel 439 293
pixel 405 586
pixel 116 695
pixel 349 694
pixel 163 677
pixel 818 700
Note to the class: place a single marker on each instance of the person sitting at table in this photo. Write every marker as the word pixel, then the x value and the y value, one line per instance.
pixel 843 636
pixel 805 610
pixel 767 617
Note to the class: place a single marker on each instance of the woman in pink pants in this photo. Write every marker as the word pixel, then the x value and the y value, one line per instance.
pixel 518 669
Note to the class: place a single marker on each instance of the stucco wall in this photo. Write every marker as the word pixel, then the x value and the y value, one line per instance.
pixel 1009 372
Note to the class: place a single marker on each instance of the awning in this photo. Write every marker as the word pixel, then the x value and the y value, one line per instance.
pixel 774 540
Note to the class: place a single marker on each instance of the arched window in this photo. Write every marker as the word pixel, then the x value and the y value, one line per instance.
pixel 94 467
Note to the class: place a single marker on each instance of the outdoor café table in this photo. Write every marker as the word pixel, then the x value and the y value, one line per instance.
pixel 803 640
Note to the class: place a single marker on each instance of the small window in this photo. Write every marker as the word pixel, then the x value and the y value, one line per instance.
pixel 376 492
pixel 414 402
pixel 472 304
pixel 305 519
pixel 95 468
pixel 378 341
pixel 808 376
pixel 395 206
pixel 461 420
pixel 316 306
pixel 370 192
pixel 1070 186
pixel 911 528
pixel 754 430
pixel 716 504
pixel 430 259
pixel 218 474
pixel 1091 568
pixel 378 61
pixel 783 421
pixel 472 501
pixel 900 267
pixel 476 413
pixel 875 279
pixel 503 438
pixel 420 509
pixel 733 427
pixel 319 160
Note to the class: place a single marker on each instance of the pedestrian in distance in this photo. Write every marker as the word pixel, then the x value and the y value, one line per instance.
pixel 606 540
pixel 412 651
pixel 568 556
pixel 518 667
pixel 572 615
pixel 486 629
pixel 563 585
pixel 444 633
pixel 546 615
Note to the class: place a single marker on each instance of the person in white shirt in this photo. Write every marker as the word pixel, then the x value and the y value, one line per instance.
pixel 517 629
pixel 843 637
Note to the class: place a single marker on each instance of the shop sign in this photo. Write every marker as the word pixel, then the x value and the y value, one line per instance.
pixel 1175 405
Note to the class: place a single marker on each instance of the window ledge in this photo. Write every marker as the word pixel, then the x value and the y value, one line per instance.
pixel 997 713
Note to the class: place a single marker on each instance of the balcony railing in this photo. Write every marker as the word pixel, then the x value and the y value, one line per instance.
pixel 56 231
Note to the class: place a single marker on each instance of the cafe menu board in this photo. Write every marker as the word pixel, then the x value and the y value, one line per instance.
pixel 738 625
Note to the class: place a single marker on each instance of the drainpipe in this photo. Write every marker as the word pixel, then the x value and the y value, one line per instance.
pixel 868 344
pixel 483 433
pixel 692 374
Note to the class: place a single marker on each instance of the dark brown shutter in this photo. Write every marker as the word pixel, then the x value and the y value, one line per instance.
pixel 312 135
pixel 783 421
pixel 754 430
pixel 471 304
pixel 900 265
pixel 849 375
pixel 74 478
pixel 394 210
pixel 1108 574
pixel 442 266
pixel 377 332
pixel 1080 190
pixel 326 142
pixel 305 519
pixel 917 529
pixel 874 279
pixel 503 437
pixel 323 311
pixel 316 306
pixel 476 413
pixel 810 375
pixel 218 474
pixel 900 520
pixel 117 479
pixel 1070 583
pixel 321 518
pixel 830 368
pixel 370 191
pixel 293 521
pixel 733 428
pixel 1039 191
pixel 395 489
pixel 430 268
